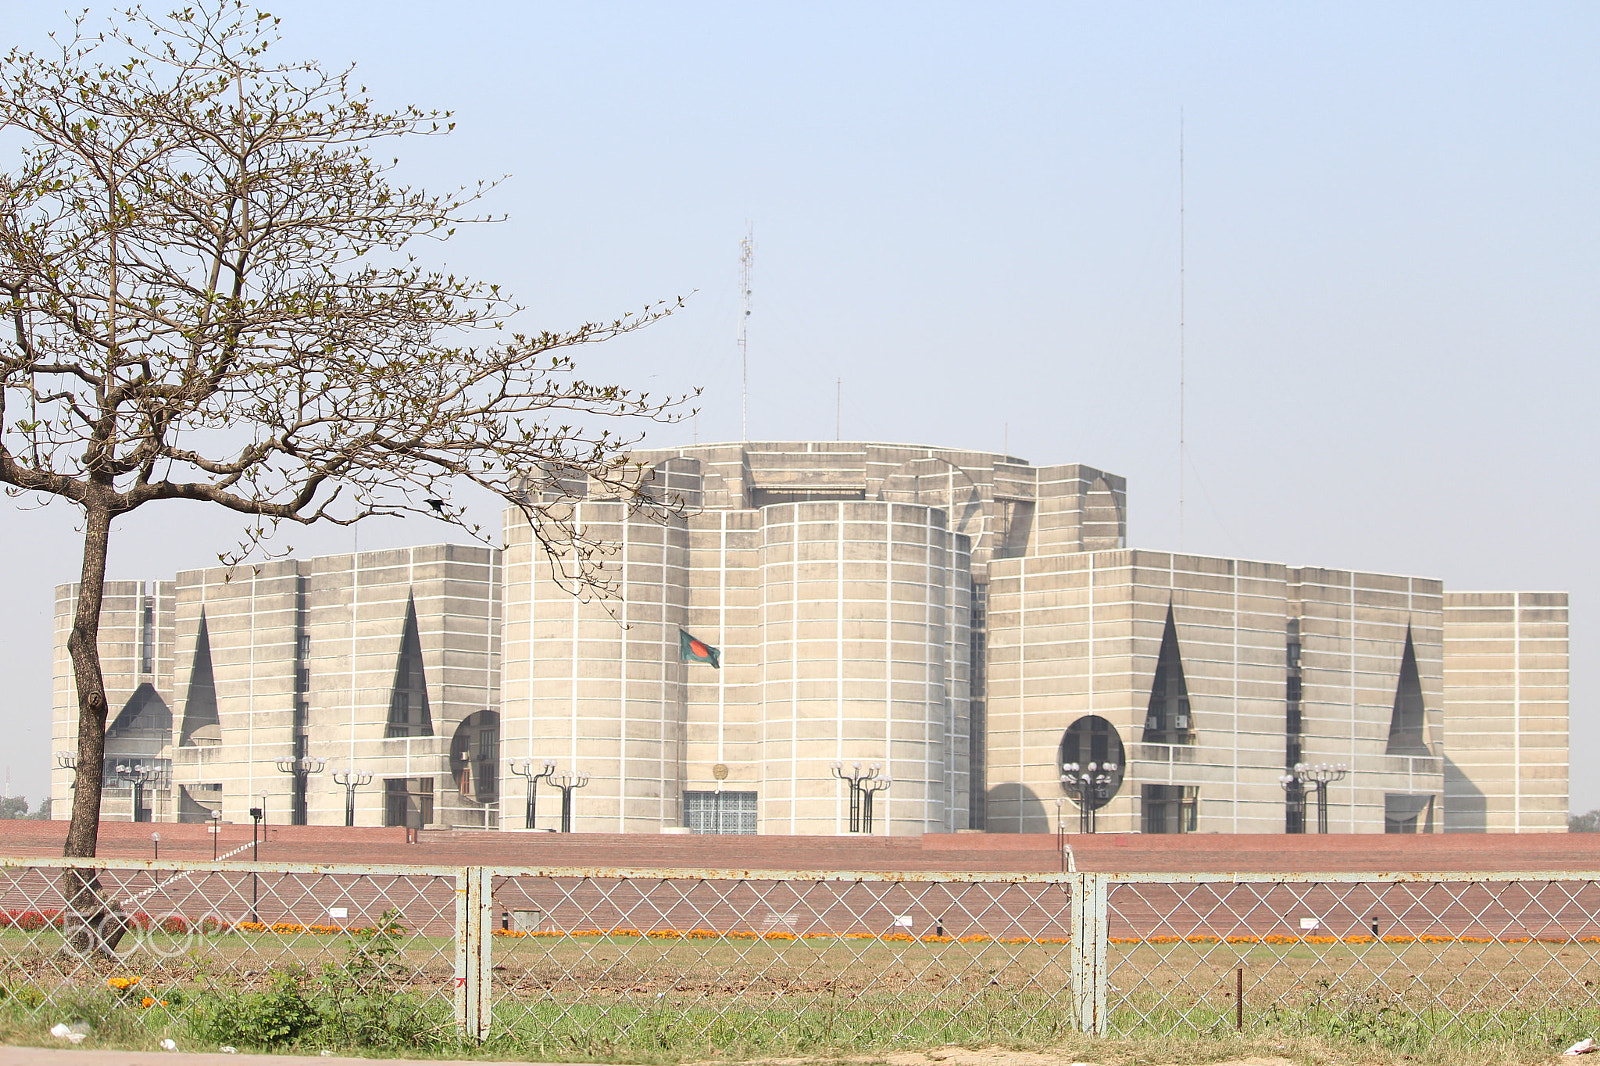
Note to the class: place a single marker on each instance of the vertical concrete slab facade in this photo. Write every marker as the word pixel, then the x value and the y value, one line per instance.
pixel 136 632
pixel 1506 675
pixel 962 621
pixel 595 684
pixel 298 659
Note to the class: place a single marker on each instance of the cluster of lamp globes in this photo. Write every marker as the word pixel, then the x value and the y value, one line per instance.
pixel 140 772
pixel 873 779
pixel 311 764
pixel 566 779
pixel 1075 776
pixel 1319 774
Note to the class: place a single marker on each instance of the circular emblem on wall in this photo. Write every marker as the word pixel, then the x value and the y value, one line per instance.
pixel 720 772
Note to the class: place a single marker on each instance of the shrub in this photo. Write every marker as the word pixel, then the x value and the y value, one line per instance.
pixel 275 1016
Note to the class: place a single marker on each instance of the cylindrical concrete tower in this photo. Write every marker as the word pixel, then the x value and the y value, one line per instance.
pixel 857 615
pixel 596 685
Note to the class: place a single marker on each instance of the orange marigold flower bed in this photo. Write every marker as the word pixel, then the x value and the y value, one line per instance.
pixel 900 937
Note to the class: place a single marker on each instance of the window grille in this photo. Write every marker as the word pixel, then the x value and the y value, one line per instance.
pixel 726 813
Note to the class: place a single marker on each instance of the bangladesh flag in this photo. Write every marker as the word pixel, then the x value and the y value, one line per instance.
pixel 694 650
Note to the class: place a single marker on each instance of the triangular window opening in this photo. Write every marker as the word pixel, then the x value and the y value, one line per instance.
pixel 200 722
pixel 1169 720
pixel 1408 724
pixel 408 701
pixel 145 715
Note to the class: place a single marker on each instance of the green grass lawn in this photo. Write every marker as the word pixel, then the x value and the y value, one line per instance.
pixel 662 1000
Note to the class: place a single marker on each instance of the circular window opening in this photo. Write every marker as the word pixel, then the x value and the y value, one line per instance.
pixel 475 757
pixel 1091 761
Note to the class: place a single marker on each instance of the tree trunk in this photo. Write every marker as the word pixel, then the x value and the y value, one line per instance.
pixel 92 926
pixel 83 646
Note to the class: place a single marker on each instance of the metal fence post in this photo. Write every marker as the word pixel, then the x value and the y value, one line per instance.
pixel 474 958
pixel 1089 977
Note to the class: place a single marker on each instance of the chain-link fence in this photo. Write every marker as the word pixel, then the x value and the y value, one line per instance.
pixel 783 960
pixel 228 949
pixel 1480 956
pixel 582 962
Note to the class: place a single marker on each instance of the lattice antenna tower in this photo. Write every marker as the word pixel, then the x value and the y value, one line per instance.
pixel 747 262
pixel 1183 449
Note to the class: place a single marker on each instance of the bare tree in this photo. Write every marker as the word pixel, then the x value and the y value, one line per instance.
pixel 213 294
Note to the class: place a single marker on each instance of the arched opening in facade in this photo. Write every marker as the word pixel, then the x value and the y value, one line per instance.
pixel 1102 528
pixel 1092 739
pixel 475 757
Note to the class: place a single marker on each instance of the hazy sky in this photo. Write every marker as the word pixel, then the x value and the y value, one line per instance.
pixel 971 217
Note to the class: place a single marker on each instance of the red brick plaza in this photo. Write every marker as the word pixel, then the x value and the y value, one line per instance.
pixel 977 852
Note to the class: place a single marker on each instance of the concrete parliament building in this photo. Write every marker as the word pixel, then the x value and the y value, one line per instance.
pixel 963 620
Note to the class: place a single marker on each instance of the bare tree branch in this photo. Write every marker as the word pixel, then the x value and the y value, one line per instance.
pixel 215 291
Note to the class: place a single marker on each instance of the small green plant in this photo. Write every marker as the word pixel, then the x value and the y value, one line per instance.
pixel 361 1002
pixel 26 996
pixel 275 1016
pixel 374 1020
pixel 373 959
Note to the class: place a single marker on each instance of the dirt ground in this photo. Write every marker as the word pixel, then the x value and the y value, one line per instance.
pixel 947 1056
pixel 23 1056
pixel 1005 1057
pixel 1151 1053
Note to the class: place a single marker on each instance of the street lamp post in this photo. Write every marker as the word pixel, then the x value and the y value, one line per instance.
pixel 257 814
pixel 524 768
pixel 68 760
pixel 863 783
pixel 1088 785
pixel 1316 776
pixel 868 788
pixel 216 832
pixel 1061 834
pixel 302 769
pixel 351 779
pixel 136 774
pixel 566 781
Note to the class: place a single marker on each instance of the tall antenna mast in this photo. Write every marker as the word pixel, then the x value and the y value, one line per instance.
pixel 1182 316
pixel 747 262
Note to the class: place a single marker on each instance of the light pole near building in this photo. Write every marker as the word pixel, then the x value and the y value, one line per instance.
pixel 257 816
pixel 877 784
pixel 302 768
pixel 351 779
pixel 861 789
pixel 68 760
pixel 1088 786
pixel 566 781
pixel 1316 776
pixel 524 768
pixel 216 832
pixel 136 774
pixel 1061 834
